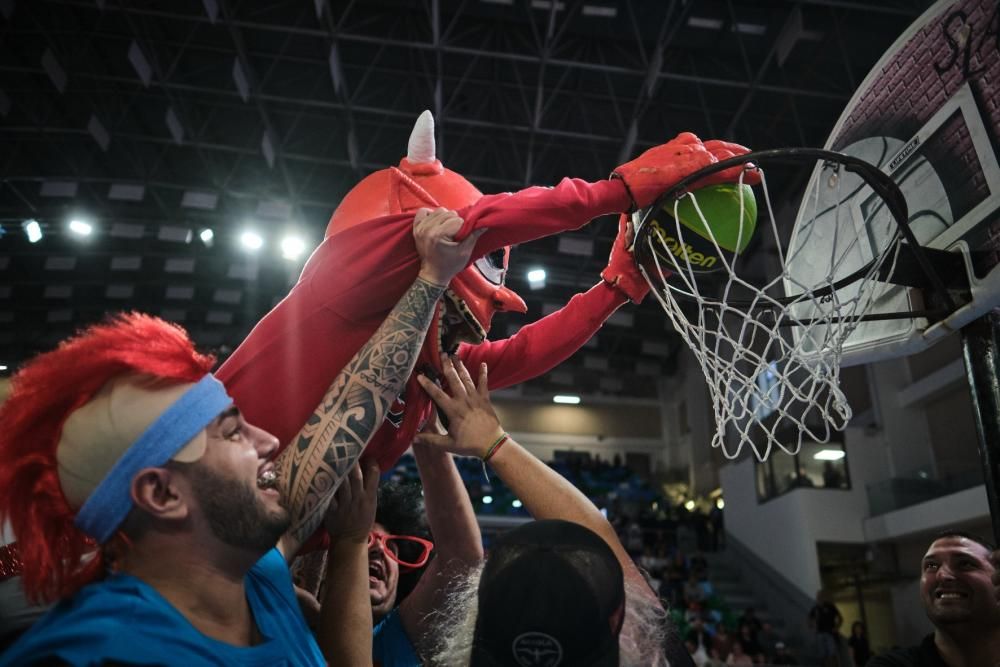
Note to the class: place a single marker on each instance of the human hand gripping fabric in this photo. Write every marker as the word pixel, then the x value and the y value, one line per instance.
pixel 473 424
pixel 441 256
pixel 352 510
pixel 659 168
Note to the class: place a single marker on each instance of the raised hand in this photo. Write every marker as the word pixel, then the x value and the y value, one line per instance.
pixel 352 510
pixel 472 422
pixel 441 256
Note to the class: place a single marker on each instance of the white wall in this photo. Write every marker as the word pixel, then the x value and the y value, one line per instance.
pixel 686 401
pixel 784 531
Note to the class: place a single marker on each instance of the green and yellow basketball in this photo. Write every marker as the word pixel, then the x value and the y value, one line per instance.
pixel 720 206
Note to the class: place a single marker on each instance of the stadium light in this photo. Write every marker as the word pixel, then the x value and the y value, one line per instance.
pixel 251 240
pixel 292 247
pixel 536 278
pixel 81 227
pixel 207 236
pixel 566 399
pixel 32 230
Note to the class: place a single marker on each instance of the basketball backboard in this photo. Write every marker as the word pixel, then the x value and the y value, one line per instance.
pixel 928 115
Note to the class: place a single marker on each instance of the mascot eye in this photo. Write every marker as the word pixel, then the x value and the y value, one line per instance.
pixel 491 266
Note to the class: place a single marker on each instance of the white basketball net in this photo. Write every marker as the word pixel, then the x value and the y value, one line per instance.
pixel 765 381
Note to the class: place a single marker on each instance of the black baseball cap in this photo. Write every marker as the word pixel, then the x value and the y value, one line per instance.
pixel 552 594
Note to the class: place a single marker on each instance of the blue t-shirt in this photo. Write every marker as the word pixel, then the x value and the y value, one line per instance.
pixel 122 619
pixel 390 645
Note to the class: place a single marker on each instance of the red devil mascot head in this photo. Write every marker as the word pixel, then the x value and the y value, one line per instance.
pixel 421 181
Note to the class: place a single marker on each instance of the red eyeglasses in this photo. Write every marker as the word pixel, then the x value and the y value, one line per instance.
pixel 409 551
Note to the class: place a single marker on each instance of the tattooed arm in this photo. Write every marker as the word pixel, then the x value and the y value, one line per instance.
pixel 311 468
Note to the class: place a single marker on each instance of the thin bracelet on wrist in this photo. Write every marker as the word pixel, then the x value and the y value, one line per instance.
pixel 495 447
pixel 491 452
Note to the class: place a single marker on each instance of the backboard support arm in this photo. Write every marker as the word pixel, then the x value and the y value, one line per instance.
pixel 981 351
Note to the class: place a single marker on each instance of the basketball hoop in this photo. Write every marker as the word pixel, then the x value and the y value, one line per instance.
pixel 769 340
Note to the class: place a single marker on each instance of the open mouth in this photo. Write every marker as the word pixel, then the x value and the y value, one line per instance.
pixel 376 570
pixel 267 479
pixel 458 324
pixel 950 595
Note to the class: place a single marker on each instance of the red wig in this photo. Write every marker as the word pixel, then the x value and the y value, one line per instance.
pixel 58 558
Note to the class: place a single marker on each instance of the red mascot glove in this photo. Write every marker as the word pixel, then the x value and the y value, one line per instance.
pixel 658 169
pixel 621 272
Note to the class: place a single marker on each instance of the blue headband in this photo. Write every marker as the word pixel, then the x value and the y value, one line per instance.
pixel 110 502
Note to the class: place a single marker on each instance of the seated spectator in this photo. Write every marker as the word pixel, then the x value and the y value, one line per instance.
pixel 693 590
pixel 737 656
pixel 715 658
pixel 749 617
pixel 722 641
pixel 648 561
pixel 766 639
pixel 832 477
pixel 699 635
pixel 697 653
pixel 491 605
pixel 782 656
pixel 748 641
pixel 694 613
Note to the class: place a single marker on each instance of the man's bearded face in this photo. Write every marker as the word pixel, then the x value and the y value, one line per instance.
pixel 235 511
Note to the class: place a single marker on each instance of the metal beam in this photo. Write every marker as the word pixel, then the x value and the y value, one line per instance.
pixel 456 50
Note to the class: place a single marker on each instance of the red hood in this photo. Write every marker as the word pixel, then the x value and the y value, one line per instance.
pixel 478 291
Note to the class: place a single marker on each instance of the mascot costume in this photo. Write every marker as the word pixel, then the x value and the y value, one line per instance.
pixel 368 260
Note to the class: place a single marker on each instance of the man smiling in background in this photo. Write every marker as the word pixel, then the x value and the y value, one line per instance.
pixel 957 589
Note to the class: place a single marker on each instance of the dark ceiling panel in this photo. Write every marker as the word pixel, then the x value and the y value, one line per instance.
pixel 523 94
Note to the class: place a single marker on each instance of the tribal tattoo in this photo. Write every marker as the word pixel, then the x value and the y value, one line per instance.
pixel 313 466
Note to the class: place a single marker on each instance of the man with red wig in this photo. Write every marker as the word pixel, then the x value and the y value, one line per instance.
pixel 135 485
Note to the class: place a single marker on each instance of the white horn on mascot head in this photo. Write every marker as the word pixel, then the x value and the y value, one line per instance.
pixel 421 147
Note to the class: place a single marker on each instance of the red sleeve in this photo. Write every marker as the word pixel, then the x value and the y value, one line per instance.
pixel 542 345
pixel 279 374
pixel 537 212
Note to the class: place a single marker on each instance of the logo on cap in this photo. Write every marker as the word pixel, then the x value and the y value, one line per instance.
pixel 537 649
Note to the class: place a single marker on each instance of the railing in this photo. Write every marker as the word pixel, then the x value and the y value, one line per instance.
pixel 899 492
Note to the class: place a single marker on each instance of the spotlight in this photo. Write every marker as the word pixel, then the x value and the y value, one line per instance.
pixel 566 399
pixel 3 367
pixel 689 505
pixel 207 236
pixel 32 230
pixel 251 240
pixel 81 227
pixel 516 504
pixel 487 500
pixel 292 247
pixel 720 503
pixel 536 278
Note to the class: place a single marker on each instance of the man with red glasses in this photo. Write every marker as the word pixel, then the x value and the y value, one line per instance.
pixel 403 597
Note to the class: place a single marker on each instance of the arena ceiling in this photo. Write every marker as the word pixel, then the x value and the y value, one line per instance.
pixel 157 120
